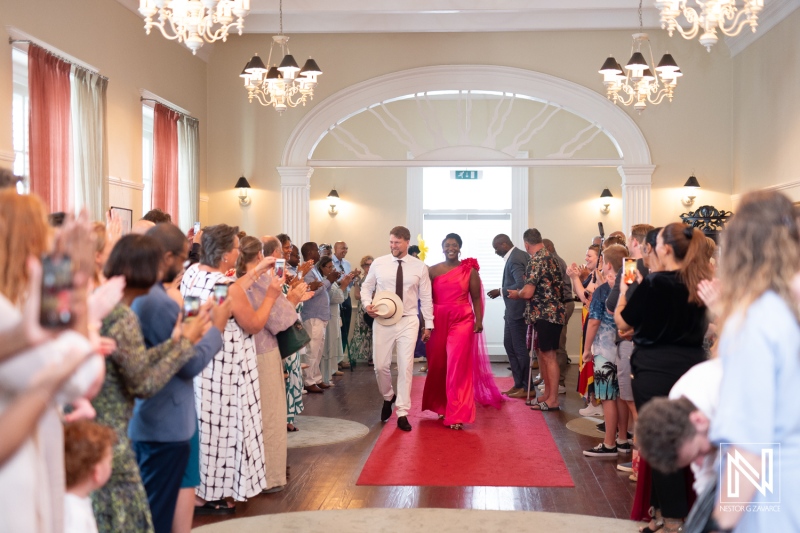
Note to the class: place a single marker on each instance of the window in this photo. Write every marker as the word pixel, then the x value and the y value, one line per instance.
pixel 147 158
pixel 19 117
pixel 477 210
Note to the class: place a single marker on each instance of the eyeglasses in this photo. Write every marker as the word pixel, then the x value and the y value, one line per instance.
pixel 366 264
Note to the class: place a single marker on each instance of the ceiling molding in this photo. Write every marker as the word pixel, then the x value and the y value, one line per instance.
pixel 424 16
pixel 774 12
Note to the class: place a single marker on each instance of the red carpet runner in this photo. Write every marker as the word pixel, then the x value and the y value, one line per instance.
pixel 506 447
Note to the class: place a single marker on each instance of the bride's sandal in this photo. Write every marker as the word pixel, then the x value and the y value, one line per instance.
pixel 673 525
pixel 457 426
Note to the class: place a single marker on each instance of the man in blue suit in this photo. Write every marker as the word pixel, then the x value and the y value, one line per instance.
pixel 515 327
pixel 164 427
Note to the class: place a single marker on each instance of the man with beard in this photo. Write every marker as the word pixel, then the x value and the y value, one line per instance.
pixel 164 427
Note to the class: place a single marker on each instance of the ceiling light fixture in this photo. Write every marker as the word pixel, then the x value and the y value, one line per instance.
pixel 640 86
pixel 192 21
pixel 286 85
pixel 713 15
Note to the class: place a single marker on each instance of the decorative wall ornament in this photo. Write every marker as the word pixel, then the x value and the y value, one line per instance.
pixel 708 219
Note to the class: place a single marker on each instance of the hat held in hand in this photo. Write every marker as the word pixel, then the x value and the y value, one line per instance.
pixel 389 307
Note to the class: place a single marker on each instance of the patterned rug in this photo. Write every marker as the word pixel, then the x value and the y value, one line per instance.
pixel 420 520
pixel 320 430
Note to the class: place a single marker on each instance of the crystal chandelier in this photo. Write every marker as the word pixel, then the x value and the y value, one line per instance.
pixel 640 86
pixel 286 85
pixel 193 21
pixel 713 14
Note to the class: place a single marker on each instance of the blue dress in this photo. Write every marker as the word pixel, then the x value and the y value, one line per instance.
pixel 760 353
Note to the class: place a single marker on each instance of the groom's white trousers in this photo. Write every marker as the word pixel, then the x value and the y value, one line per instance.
pixel 403 335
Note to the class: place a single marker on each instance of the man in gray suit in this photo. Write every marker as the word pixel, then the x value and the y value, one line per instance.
pixel 515 327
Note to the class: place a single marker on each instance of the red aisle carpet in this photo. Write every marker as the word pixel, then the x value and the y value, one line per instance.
pixel 506 447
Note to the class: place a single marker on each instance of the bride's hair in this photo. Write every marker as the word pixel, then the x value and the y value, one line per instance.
pixel 455 237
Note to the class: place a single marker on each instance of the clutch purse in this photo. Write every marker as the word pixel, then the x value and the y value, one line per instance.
pixel 292 339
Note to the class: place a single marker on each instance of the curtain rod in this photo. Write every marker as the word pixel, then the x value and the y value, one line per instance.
pixel 62 58
pixel 181 113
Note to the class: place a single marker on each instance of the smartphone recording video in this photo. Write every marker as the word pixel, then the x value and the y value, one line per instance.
pixel 221 292
pixel 55 311
pixel 280 264
pixel 629 272
pixel 196 227
pixel 191 307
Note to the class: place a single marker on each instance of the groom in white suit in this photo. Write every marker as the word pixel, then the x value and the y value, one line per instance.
pixel 407 277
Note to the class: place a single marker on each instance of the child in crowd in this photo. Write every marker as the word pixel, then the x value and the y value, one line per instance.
pixel 600 346
pixel 87 458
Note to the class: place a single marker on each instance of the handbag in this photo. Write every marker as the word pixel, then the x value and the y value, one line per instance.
pixel 292 339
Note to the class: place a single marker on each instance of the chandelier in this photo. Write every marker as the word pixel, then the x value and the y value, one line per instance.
pixel 713 14
pixel 640 86
pixel 286 85
pixel 192 21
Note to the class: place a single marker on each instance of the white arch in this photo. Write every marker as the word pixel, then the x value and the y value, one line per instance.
pixel 634 166
pixel 577 99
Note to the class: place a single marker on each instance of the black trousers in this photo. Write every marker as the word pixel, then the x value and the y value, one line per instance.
pixel 655 371
pixel 346 309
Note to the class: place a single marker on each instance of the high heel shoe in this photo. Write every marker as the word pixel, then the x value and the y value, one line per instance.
pixel 457 426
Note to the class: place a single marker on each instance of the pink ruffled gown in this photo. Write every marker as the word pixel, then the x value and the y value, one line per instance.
pixel 459 372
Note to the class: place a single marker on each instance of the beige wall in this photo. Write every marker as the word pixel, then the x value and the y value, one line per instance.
pixel 111 38
pixel 693 133
pixel 766 111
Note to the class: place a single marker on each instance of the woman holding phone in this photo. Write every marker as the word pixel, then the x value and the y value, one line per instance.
pixel 247 306
pixel 227 392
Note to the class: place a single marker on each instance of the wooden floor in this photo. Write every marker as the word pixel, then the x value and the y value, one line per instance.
pixel 324 477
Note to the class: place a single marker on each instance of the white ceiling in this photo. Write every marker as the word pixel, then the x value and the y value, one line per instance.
pixel 410 16
pixel 372 16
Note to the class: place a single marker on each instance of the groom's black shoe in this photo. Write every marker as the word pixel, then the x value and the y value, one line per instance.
pixel 386 412
pixel 402 423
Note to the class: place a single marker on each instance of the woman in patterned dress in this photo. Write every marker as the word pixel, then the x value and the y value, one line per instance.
pixel 293 373
pixel 227 393
pixel 360 346
pixel 132 371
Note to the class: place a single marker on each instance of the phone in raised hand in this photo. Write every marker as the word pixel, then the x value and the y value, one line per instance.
pixel 280 265
pixel 629 272
pixel 196 228
pixel 191 307
pixel 221 292
pixel 56 300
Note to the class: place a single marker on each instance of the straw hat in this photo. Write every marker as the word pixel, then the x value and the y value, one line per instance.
pixel 389 307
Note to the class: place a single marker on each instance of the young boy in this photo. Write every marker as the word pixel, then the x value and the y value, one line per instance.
pixel 87 458
pixel 600 346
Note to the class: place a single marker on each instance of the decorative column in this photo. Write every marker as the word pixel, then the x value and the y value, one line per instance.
pixel 295 203
pixel 636 184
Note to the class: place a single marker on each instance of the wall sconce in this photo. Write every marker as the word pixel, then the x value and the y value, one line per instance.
pixel 690 191
pixel 605 201
pixel 242 190
pixel 333 201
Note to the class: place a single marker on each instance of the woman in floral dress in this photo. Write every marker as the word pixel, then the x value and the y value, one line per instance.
pixel 132 371
pixel 360 346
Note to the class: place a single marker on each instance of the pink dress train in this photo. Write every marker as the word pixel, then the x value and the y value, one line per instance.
pixel 459 372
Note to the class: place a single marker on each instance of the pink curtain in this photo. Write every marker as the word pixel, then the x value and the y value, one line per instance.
pixel 165 160
pixel 49 86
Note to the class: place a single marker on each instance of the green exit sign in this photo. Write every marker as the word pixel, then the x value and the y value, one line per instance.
pixel 466 174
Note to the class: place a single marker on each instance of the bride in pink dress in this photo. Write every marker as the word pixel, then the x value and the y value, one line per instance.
pixel 459 373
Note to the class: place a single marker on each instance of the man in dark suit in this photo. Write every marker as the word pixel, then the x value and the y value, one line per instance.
pixel 515 327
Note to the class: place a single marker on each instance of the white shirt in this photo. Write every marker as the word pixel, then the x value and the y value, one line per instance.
pixel 416 284
pixel 508 254
pixel 700 385
pixel 78 515
pixel 343 265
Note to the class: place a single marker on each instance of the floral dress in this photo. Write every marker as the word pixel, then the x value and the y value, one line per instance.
pixel 294 378
pixel 360 346
pixel 132 371
pixel 228 400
